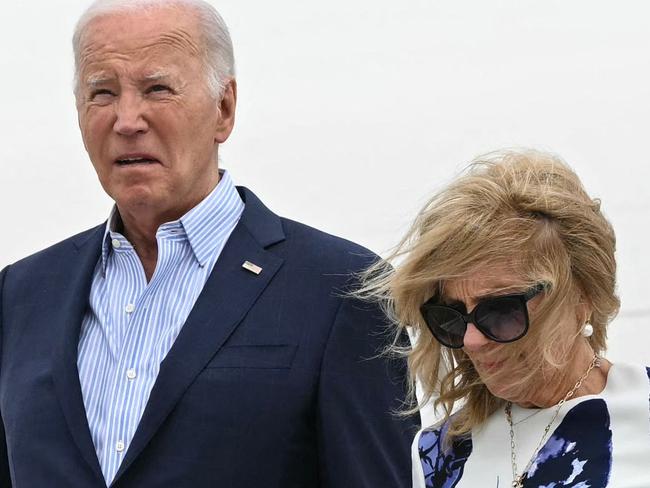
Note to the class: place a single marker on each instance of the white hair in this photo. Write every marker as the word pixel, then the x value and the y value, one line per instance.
pixel 219 60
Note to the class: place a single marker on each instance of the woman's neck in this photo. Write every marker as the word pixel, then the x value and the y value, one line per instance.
pixel 547 395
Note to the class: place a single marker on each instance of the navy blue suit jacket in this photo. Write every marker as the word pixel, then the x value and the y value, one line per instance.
pixel 274 380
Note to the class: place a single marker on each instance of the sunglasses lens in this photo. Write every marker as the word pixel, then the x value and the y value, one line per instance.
pixel 445 324
pixel 504 319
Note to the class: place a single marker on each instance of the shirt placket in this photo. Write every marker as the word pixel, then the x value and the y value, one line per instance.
pixel 134 375
pixel 124 388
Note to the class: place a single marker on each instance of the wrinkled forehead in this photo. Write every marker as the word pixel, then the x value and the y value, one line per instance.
pixel 133 35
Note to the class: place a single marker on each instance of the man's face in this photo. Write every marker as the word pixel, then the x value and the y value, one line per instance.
pixel 148 120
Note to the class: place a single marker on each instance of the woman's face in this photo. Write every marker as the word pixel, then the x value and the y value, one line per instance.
pixel 486 355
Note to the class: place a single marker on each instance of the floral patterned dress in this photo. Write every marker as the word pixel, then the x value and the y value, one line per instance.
pixel 597 441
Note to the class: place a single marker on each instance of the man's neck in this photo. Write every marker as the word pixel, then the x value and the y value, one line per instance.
pixel 141 233
pixel 140 227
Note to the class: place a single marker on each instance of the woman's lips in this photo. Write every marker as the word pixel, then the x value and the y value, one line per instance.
pixel 489 366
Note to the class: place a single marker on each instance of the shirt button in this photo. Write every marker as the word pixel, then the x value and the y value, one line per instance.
pixel 119 446
pixel 131 374
pixel 129 308
pixel 116 243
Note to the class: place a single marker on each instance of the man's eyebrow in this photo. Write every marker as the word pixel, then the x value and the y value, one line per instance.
pixel 156 76
pixel 98 79
pixel 101 79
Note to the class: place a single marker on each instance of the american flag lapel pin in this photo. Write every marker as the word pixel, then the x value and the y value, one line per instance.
pixel 253 268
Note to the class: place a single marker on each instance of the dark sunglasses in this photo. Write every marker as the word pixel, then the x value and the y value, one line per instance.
pixel 502 319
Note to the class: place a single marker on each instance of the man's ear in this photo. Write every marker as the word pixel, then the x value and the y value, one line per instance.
pixel 227 107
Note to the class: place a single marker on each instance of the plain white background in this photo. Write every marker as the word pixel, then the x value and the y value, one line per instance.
pixel 351 113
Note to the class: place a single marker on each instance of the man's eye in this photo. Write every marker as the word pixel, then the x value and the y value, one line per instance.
pixel 158 89
pixel 101 93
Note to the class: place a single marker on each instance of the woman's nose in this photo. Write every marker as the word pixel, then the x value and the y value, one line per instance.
pixel 474 338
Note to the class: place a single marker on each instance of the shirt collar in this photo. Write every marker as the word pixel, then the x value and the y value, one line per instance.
pixel 198 226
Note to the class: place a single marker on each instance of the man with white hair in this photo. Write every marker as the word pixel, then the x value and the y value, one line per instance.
pixel 195 339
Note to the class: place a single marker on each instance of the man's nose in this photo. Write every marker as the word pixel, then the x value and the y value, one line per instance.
pixel 129 117
pixel 474 338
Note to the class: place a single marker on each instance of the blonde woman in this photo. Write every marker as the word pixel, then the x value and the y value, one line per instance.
pixel 507 277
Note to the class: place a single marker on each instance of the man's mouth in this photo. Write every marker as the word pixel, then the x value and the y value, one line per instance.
pixel 135 160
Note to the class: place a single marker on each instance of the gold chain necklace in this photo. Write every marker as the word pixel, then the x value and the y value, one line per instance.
pixel 518 480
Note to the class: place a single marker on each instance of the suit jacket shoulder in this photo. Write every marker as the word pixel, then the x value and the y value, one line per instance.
pixel 52 265
pixel 60 249
pixel 313 245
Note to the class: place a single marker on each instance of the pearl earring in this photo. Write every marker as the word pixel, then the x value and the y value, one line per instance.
pixel 587 330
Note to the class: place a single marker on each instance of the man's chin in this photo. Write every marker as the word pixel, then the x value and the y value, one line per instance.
pixel 138 199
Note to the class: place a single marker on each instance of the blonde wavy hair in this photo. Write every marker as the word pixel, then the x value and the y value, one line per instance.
pixel 520 210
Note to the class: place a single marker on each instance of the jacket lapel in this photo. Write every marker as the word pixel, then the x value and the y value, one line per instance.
pixel 65 316
pixel 227 296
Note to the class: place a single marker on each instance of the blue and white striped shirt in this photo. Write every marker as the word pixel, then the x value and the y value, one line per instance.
pixel 131 325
